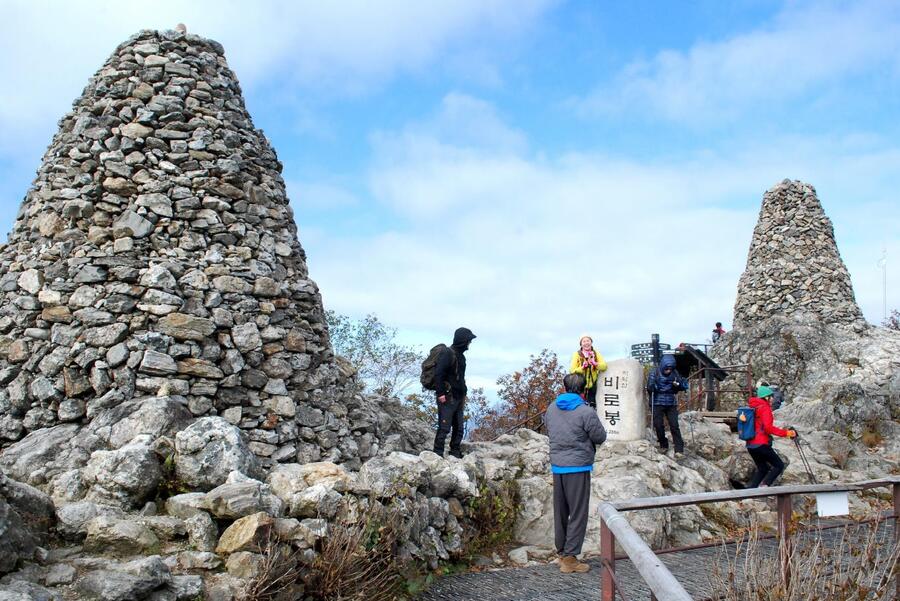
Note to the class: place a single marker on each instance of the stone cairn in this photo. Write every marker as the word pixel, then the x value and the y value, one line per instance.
pixel 156 255
pixel 794 265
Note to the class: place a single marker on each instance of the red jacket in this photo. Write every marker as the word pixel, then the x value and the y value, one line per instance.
pixel 764 422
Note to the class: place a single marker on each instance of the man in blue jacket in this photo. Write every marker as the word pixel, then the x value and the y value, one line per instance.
pixel 575 431
pixel 663 384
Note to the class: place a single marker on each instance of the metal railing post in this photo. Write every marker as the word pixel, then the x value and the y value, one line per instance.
pixel 607 563
pixel 654 572
pixel 785 506
pixel 897 531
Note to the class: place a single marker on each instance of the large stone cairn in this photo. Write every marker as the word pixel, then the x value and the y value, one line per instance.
pixel 156 255
pixel 794 265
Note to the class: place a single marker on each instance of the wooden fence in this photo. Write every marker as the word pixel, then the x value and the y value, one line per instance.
pixel 663 585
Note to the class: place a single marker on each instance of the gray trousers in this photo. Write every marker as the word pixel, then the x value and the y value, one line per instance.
pixel 571 496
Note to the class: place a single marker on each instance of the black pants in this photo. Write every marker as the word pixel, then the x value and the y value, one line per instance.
pixel 768 466
pixel 571 497
pixel 450 417
pixel 670 413
pixel 590 395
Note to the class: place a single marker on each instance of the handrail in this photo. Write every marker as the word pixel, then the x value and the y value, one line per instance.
pixel 614 528
pixel 519 424
pixel 663 585
pixel 737 495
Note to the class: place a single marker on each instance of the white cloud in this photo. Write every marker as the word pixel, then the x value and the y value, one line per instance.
pixel 50 48
pixel 531 252
pixel 808 46
pixel 320 196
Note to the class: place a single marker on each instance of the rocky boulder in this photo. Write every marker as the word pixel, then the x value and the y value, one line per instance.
pixel 210 449
pixel 126 477
pixel 125 582
pixel 394 474
pixel 311 489
pixel 26 516
pixel 240 496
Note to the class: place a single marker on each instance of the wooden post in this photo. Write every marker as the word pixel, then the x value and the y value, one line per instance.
pixel 607 563
pixel 897 531
pixel 785 506
pixel 710 390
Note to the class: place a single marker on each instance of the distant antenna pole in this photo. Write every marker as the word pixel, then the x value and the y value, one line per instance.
pixel 654 341
pixel 883 264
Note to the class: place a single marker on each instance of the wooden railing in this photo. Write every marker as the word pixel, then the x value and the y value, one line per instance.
pixel 663 585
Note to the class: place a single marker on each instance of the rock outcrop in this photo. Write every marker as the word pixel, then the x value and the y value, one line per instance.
pixel 794 266
pixel 798 326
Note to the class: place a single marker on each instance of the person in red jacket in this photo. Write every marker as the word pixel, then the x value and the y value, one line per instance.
pixel 768 464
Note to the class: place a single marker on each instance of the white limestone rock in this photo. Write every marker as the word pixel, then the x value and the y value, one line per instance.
pixel 208 450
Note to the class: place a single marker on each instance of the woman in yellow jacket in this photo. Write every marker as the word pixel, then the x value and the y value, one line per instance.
pixel 589 363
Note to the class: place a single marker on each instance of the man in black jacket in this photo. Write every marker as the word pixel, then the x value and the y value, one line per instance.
pixel 450 375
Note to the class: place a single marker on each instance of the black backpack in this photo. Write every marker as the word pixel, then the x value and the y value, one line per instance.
pixel 430 363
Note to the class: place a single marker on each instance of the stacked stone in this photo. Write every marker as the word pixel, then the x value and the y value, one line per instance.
pixel 156 254
pixel 794 265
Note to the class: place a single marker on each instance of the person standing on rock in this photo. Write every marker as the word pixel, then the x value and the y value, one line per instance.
pixel 590 364
pixel 663 384
pixel 777 398
pixel 768 464
pixel 450 378
pixel 717 332
pixel 575 431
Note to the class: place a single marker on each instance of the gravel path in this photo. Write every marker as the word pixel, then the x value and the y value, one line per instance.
pixel 545 583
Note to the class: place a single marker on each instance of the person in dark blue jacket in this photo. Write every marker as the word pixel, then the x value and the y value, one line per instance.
pixel 662 385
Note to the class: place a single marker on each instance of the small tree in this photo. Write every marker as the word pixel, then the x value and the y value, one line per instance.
pixel 383 365
pixel 893 322
pixel 524 395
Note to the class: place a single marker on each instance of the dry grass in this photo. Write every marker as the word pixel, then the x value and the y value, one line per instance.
pixel 861 562
pixel 356 562
pixel 871 437
pixel 280 578
pixel 359 561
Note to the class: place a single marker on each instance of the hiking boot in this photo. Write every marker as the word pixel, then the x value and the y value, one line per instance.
pixel 569 564
pixel 679 454
pixel 457 454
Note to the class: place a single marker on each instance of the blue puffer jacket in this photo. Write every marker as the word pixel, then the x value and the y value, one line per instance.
pixel 662 387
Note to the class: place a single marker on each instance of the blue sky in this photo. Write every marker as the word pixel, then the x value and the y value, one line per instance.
pixel 532 169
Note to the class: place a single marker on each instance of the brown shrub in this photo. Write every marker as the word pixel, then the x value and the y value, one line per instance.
pixel 359 561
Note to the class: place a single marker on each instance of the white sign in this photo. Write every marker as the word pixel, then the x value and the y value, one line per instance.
pixel 832 503
pixel 620 400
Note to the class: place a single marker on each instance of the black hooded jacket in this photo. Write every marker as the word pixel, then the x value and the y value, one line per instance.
pixel 449 373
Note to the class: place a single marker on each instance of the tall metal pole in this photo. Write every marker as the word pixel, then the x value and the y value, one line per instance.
pixel 883 264
pixel 654 341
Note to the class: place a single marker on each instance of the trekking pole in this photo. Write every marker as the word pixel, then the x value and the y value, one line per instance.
pixel 809 473
pixel 691 424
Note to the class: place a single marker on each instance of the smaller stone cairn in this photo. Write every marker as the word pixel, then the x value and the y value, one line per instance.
pixel 794 265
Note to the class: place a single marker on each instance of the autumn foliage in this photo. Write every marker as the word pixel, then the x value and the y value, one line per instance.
pixel 524 395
